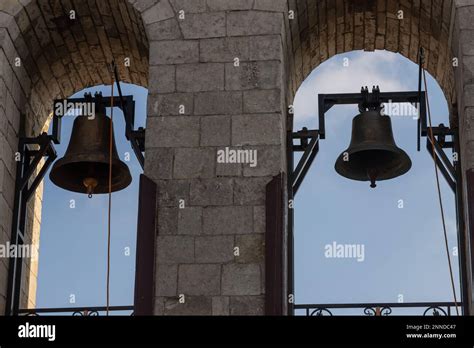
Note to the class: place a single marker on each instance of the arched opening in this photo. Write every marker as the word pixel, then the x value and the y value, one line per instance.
pixel 74 228
pixel 397 226
pixel 52 50
pixel 322 29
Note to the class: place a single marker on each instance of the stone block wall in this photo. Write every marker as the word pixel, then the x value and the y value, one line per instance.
pixel 10 105
pixel 216 75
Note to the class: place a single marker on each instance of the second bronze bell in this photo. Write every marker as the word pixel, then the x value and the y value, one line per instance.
pixel 372 154
pixel 85 165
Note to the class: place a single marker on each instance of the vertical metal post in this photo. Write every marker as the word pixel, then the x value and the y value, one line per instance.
pixel 420 74
pixel 463 276
pixel 470 233
pixel 463 231
pixel 24 170
pixel 17 234
pixel 290 238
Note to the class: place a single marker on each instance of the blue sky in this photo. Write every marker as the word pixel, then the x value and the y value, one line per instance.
pixel 404 250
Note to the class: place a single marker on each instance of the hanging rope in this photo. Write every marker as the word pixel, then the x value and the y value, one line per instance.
pixel 111 141
pixel 435 158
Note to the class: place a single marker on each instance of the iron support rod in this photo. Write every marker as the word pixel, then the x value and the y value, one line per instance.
pixel 446 174
pixel 305 163
pixel 443 158
pixel 128 122
pixel 40 176
pixel 40 153
pixel 26 167
pixel 321 118
pixel 130 134
pixel 420 71
pixel 12 269
pixel 385 97
pixel 290 238
pixel 463 234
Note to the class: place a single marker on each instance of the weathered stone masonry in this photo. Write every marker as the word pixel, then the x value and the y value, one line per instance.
pixel 222 64
pixel 220 73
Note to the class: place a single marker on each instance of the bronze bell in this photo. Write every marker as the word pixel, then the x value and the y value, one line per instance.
pixel 85 166
pixel 372 154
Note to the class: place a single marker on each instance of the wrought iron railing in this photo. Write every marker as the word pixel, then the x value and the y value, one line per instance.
pixel 368 309
pixel 378 309
pixel 77 311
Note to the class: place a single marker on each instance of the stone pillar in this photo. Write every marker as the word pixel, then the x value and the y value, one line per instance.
pixel 463 50
pixel 216 82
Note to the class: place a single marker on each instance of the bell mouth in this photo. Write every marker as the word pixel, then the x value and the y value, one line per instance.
pixel 373 165
pixel 66 176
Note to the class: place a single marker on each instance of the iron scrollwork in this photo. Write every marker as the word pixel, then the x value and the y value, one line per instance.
pixel 319 312
pixel 377 311
pixel 85 313
pixel 76 311
pixel 436 311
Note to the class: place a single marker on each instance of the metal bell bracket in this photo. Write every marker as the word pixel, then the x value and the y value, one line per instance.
pixel 370 101
pixel 309 139
pixel 28 158
pixel 309 145
pixel 451 171
pixel 125 103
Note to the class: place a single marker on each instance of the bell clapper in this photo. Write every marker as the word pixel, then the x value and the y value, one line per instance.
pixel 372 183
pixel 372 174
pixel 90 184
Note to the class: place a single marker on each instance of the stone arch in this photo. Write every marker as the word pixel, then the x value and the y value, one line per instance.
pixel 325 28
pixel 51 49
pixel 65 46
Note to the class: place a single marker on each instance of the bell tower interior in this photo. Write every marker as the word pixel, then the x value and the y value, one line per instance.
pixel 221 75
